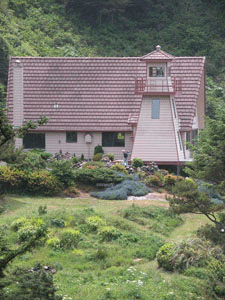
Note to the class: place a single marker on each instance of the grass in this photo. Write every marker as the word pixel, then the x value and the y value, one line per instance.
pixel 120 268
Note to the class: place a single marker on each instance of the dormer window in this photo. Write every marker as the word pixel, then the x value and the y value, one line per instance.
pixel 156 72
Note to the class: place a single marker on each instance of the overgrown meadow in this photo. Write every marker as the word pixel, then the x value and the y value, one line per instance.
pixel 102 249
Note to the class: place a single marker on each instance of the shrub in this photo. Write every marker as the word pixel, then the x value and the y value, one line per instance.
pixel 42 210
pixel 75 160
pixel 95 222
pixel 30 229
pixel 98 149
pixel 153 181
pixel 63 171
pixel 123 190
pixel 37 182
pixel 31 161
pixel 54 243
pixel 213 234
pixel 93 165
pixel 110 156
pixel 82 157
pixel 181 256
pixel 46 155
pixel 97 157
pixel 69 238
pixel 42 182
pixel 119 168
pixel 170 181
pixel 98 175
pixel 137 162
pixel 57 223
pixel 18 223
pixel 165 257
pixel 109 233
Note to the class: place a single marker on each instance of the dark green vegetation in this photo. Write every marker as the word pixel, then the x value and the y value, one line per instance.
pixel 111 28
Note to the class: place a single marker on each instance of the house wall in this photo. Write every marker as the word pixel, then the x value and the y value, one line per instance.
pixel 17 96
pixel 56 141
pixel 155 138
pixel 179 144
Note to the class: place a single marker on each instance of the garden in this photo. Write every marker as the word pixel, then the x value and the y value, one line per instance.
pixel 76 233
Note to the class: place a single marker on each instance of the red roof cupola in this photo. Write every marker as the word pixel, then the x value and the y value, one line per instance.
pixel 158 79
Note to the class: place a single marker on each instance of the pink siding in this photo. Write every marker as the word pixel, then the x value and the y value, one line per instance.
pixel 56 141
pixel 155 138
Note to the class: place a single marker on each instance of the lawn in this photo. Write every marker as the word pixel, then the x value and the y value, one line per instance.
pixel 114 256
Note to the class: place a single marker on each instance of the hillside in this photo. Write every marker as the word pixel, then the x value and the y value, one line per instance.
pixel 112 28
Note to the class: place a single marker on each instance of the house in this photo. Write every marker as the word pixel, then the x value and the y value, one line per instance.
pixel 152 106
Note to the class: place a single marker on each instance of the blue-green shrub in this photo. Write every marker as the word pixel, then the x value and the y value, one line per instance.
pixel 123 190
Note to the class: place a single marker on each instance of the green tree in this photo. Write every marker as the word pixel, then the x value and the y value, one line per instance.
pixel 188 199
pixel 7 132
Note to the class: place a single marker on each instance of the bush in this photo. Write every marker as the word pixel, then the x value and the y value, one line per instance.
pixel 170 181
pixel 75 160
pixel 98 149
pixel 137 163
pixel 213 234
pixel 57 223
pixel 119 168
pixel 63 171
pixel 42 182
pixel 98 175
pixel 95 222
pixel 18 223
pixel 46 155
pixel 29 230
pixel 109 233
pixel 165 257
pixel 93 165
pixel 153 181
pixel 97 157
pixel 69 238
pixel 123 190
pixel 54 243
pixel 37 182
pixel 42 210
pixel 110 156
pixel 184 254
pixel 31 161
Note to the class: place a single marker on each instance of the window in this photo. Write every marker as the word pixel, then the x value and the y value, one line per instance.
pixel 188 139
pixel 179 138
pixel 174 108
pixel 113 139
pixel 194 136
pixel 34 140
pixel 155 109
pixel 156 72
pixel 71 137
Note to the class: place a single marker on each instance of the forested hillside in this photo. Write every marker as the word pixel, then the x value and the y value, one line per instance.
pixel 112 28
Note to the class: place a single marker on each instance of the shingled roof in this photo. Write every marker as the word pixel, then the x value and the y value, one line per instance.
pixel 96 94
pixel 158 55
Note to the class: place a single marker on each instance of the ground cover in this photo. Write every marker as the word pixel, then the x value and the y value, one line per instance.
pixel 115 255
